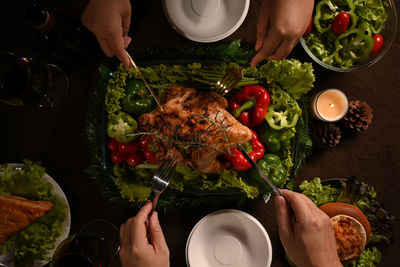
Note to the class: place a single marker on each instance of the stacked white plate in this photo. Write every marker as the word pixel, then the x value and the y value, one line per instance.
pixel 228 238
pixel 206 20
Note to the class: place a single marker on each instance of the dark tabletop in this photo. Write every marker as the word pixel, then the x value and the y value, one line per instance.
pixel 57 138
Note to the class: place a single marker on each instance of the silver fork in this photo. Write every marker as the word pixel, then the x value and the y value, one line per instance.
pixel 231 78
pixel 162 177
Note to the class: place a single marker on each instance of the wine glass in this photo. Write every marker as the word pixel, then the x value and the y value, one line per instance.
pixel 95 245
pixel 26 80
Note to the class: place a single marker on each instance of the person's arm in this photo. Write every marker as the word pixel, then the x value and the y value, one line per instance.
pixel 135 249
pixel 281 23
pixel 109 21
pixel 308 238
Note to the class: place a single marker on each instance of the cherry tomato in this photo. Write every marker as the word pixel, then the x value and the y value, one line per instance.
pixel 113 145
pixel 151 156
pixel 129 147
pixel 309 28
pixel 118 157
pixel 145 140
pixel 341 23
pixel 378 42
pixel 135 159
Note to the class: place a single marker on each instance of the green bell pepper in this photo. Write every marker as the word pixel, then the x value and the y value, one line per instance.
pixel 137 98
pixel 352 47
pixel 273 168
pixel 275 140
pixel 122 127
pixel 321 16
pixel 279 118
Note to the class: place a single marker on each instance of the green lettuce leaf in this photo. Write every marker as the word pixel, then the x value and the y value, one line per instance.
pixel 368 258
pixel 294 77
pixel 318 193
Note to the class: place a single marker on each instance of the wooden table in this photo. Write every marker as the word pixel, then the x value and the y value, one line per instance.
pixel 57 137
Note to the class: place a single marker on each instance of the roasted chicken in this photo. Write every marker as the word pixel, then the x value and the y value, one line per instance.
pixel 16 213
pixel 194 127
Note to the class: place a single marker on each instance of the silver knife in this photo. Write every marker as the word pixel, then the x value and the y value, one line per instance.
pixel 260 172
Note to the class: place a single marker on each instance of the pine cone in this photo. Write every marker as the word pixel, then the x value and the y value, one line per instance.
pixel 329 135
pixel 359 116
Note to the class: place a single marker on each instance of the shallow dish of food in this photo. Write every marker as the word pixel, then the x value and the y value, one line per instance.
pixel 228 238
pixel 40 212
pixel 363 226
pixel 350 35
pixel 201 129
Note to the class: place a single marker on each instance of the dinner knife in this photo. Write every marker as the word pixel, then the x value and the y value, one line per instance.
pixel 260 172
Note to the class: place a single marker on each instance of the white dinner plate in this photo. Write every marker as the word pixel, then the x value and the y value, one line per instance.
pixel 228 238
pixel 5 258
pixel 206 20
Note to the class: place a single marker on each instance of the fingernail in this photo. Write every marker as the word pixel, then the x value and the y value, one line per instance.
pixel 147 202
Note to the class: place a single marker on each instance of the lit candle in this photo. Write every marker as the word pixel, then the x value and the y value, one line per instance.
pixel 330 105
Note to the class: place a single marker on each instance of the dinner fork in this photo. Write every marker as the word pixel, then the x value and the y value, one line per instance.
pixel 162 177
pixel 231 78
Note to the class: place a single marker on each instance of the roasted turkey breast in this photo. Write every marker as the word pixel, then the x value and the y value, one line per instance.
pixel 195 127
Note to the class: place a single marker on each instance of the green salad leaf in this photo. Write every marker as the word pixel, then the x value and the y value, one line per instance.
pixel 368 258
pixel 38 238
pixel 318 193
pixel 294 77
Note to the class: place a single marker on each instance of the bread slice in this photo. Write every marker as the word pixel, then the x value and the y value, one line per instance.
pixel 350 237
pixel 16 213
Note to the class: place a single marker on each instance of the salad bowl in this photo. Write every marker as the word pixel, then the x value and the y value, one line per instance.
pixel 388 33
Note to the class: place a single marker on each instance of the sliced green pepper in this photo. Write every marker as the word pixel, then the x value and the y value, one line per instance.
pixel 321 16
pixel 122 127
pixel 137 98
pixel 279 118
pixel 352 47
pixel 273 168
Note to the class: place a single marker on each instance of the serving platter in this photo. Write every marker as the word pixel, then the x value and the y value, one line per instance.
pixel 117 188
pixel 105 153
pixel 8 257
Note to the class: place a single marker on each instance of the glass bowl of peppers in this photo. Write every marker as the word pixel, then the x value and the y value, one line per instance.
pixel 350 35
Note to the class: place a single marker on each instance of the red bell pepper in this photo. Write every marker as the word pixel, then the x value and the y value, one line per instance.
pixel 256 151
pixel 253 97
pixel 149 149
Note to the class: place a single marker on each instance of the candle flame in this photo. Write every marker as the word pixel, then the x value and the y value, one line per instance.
pixel 331 105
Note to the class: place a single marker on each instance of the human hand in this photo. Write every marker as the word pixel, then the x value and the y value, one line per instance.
pixel 109 21
pixel 309 239
pixel 135 249
pixel 280 26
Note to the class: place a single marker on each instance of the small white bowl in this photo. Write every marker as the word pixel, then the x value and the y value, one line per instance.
pixel 206 20
pixel 228 238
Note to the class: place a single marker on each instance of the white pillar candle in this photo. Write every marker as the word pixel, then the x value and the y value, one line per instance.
pixel 330 105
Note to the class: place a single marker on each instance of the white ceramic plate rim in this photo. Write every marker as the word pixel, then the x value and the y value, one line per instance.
pixel 211 39
pixel 67 223
pixel 254 220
